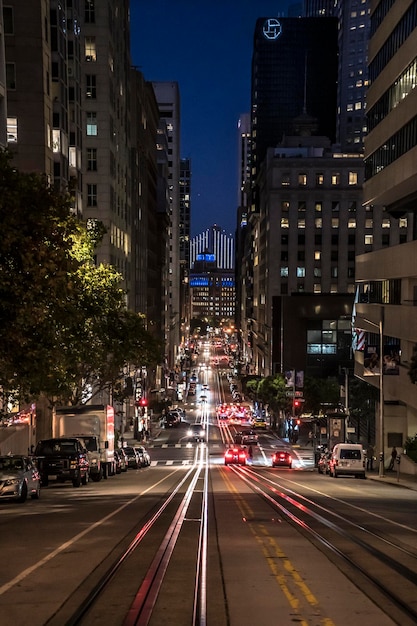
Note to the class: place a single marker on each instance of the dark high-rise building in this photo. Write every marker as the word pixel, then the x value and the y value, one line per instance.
pixel 294 69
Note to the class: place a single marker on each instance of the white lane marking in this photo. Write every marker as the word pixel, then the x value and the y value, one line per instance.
pixel 17 579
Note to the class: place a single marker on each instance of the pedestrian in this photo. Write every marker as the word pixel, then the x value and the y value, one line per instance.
pixel 370 457
pixel 393 458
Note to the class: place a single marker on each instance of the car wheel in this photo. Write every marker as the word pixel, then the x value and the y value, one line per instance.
pixel 84 479
pixel 334 474
pixel 76 482
pixel 290 466
pixel 320 471
pixel 23 493
pixel 37 494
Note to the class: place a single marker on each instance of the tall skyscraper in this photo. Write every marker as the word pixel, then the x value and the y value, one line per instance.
pixel 168 98
pixel 294 69
pixel 212 280
pixel 184 238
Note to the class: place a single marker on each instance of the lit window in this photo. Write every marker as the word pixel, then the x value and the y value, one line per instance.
pixel 352 222
pixel 402 222
pixel 369 240
pixel 301 223
pixel 285 180
pixel 318 207
pixel 301 272
pixel 358 106
pixel 91 123
pixel 317 288
pixel 317 272
pixel 12 129
pixel 333 288
pixel 335 222
pixel 302 179
pixel 285 206
pixel 386 223
pixel 284 222
pixel 319 179
pixel 317 255
pixel 318 222
pixel 369 223
pixel 56 140
pixel 73 156
pixel 336 178
pixel 90 49
pixel 353 178
pixel 284 272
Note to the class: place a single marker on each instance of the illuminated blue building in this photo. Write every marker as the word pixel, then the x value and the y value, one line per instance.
pixel 212 279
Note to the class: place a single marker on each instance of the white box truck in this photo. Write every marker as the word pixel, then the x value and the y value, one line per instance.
pixel 94 425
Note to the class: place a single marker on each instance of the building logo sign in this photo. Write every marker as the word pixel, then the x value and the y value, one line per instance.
pixel 272 28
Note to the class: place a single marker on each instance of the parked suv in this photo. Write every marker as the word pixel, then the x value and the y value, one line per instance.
pixel 62 459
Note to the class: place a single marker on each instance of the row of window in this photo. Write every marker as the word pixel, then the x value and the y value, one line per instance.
pixel 398 36
pixel 300 272
pixel 395 147
pixel 317 288
pixel 304 179
pixel 406 82
pixel 335 222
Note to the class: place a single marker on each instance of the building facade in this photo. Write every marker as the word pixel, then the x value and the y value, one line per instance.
pixel 386 279
pixel 168 98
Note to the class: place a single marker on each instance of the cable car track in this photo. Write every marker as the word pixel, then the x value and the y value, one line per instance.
pixel 184 510
pixel 381 567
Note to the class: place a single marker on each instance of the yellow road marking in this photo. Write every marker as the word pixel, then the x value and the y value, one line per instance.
pixel 275 555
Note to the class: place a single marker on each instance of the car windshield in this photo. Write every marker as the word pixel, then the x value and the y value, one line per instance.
pixel 10 464
pixel 49 448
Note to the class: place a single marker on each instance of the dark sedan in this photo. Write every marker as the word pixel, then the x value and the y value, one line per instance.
pixel 282 459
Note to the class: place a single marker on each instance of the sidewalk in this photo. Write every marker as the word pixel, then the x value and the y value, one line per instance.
pixel 393 478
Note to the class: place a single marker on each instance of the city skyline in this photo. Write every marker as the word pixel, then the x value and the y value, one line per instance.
pixel 208 51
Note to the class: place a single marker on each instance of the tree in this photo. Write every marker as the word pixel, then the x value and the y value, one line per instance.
pixel 64 328
pixel 35 270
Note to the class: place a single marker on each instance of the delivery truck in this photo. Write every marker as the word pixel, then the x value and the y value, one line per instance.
pixel 94 425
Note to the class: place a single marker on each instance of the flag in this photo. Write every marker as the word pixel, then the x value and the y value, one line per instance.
pixel 358 335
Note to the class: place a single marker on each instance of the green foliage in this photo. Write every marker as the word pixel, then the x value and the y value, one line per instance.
pixel 64 328
pixel 318 391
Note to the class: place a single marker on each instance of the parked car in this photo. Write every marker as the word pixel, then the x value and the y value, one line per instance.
pixel 145 459
pixel 282 458
pixel 347 459
pixel 120 461
pixel 133 460
pixel 62 459
pixel 19 477
pixel 323 466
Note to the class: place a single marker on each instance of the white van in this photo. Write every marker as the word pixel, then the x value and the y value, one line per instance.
pixel 347 459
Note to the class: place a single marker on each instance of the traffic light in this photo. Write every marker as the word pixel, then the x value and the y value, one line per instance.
pixel 143 402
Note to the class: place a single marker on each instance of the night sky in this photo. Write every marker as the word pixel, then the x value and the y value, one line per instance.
pixel 206 46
